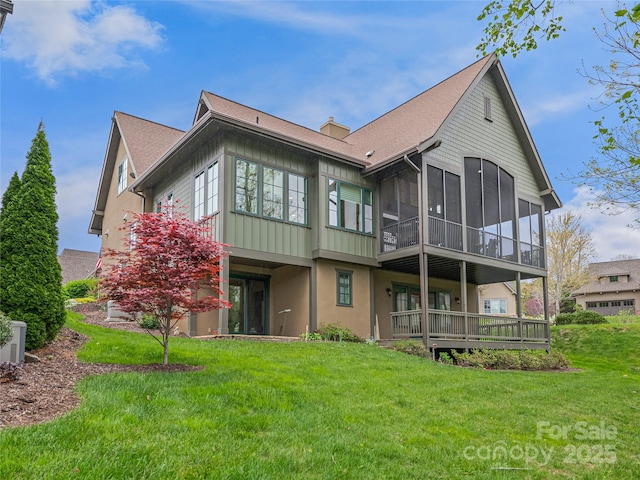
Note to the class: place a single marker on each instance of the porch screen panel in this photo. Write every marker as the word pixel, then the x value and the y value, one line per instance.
pixel 389 201
pixel 408 186
pixel 473 184
pixel 435 186
pixel 491 199
pixel 453 204
pixel 524 221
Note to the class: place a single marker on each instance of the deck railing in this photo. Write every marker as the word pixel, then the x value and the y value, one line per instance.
pixel 444 233
pixel 400 235
pixel 446 326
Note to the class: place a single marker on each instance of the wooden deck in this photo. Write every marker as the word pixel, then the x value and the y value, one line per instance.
pixel 448 329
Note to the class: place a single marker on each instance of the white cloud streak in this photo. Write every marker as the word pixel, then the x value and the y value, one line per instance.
pixel 57 39
pixel 612 234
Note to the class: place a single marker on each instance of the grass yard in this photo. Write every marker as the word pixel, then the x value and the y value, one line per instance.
pixel 335 410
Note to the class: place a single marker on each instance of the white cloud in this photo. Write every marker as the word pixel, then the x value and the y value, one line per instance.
pixel 612 234
pixel 65 38
pixel 76 193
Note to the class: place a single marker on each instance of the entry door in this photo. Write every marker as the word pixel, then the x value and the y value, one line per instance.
pixel 248 314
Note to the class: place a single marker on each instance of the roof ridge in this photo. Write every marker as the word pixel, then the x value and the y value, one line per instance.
pixel 148 121
pixel 318 132
pixel 459 72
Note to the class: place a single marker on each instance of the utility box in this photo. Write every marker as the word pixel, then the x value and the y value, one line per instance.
pixel 114 314
pixel 14 350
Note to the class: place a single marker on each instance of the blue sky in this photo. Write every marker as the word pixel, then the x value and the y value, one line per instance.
pixel 72 63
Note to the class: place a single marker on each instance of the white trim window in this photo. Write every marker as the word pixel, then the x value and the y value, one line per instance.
pixel 122 175
pixel 495 306
pixel 206 193
pixel 198 199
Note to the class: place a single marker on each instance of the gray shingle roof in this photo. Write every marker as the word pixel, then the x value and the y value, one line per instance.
pixel 77 264
pixel 608 269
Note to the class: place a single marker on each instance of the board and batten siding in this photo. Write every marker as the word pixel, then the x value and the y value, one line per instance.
pixel 181 181
pixel 336 239
pixel 253 232
pixel 469 134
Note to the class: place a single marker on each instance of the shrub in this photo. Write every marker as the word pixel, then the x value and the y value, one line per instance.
pixel 338 333
pixel 149 322
pixel 588 317
pixel 80 288
pixel 445 358
pixel 564 319
pixel 411 347
pixel 6 330
pixel 512 359
pixel 311 336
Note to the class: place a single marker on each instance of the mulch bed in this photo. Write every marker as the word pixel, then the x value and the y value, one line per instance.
pixel 46 390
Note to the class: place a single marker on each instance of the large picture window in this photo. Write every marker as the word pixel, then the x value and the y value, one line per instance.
pixel 254 181
pixel 350 207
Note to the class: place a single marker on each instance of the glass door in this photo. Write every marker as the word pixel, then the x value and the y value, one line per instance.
pixel 248 313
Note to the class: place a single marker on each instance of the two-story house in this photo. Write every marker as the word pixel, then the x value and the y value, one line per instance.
pixel 614 287
pixel 388 230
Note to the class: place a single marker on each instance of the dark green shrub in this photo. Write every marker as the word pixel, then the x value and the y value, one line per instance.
pixel 567 305
pixel 6 330
pixel 564 318
pixel 80 288
pixel 149 322
pixel 588 317
pixel 338 333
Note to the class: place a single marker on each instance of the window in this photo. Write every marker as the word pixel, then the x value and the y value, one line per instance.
pixel 246 186
pixel 198 200
pixel 613 278
pixel 616 303
pixel 350 207
pixel 212 189
pixel 628 303
pixel 272 193
pixel 297 199
pixel 495 306
pixel 122 175
pixel 603 304
pixel 254 181
pixel 167 207
pixel 592 304
pixel 344 288
pixel 205 200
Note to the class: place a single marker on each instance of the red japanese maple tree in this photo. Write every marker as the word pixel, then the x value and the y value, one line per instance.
pixel 166 262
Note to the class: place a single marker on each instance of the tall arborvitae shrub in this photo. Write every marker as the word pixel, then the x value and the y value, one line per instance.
pixel 31 278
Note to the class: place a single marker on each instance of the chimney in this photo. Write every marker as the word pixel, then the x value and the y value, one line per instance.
pixel 334 129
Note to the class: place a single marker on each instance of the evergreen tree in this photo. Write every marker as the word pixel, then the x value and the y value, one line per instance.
pixel 31 278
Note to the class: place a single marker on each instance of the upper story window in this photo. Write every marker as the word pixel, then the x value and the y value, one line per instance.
pixel 613 278
pixel 487 108
pixel 491 209
pixel 273 193
pixel 122 175
pixel 297 199
pixel 350 207
pixel 205 192
pixel 254 182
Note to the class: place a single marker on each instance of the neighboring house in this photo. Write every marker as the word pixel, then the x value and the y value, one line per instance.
pixel 614 287
pixel 498 298
pixel 390 228
pixel 77 264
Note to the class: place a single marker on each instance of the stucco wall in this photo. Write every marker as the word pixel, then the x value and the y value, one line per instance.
pixel 356 317
pixel 289 290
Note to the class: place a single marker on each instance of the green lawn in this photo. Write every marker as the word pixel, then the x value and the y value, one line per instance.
pixel 328 410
